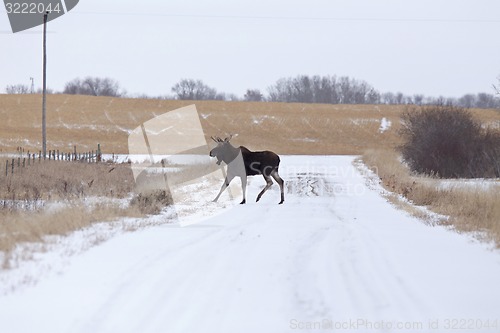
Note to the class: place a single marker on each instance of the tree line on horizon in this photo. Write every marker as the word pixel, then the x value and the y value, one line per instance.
pixel 299 89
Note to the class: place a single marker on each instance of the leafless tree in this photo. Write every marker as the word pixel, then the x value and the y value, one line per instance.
pixel 189 89
pixel 326 89
pixel 303 89
pixel 418 99
pixel 94 86
pixel 486 101
pixel 229 97
pixel 17 89
pixel 281 91
pixel 467 101
pixel 388 98
pixel 101 87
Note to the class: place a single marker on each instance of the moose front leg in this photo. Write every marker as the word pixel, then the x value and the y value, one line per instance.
pixel 244 189
pixel 223 187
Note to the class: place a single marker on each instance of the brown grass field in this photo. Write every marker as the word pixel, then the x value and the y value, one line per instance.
pixel 286 128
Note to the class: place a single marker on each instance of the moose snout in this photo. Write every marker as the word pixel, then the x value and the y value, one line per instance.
pixel 213 155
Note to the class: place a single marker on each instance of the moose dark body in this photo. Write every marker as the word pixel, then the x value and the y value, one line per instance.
pixel 242 162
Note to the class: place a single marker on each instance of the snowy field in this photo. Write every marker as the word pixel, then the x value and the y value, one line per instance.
pixel 336 256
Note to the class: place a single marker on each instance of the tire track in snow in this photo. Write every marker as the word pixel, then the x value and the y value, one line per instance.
pixel 374 282
pixel 353 259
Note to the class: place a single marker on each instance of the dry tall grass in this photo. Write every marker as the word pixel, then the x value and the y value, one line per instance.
pixel 469 208
pixel 32 226
pixel 62 180
pixel 55 198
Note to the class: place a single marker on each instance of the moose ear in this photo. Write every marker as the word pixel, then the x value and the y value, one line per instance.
pixel 229 138
pixel 213 139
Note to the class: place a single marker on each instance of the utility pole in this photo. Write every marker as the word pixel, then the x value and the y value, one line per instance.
pixel 44 93
pixel 32 89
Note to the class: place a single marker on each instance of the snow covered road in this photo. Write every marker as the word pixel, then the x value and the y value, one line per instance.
pixel 335 257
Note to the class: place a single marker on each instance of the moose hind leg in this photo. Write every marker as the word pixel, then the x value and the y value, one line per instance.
pixel 268 185
pixel 281 183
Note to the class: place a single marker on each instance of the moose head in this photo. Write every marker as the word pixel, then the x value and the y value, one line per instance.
pixel 224 151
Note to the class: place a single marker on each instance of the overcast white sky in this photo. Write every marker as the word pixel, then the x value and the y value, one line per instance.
pixel 431 47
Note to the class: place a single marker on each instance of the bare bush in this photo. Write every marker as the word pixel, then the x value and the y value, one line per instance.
pixel 447 141
pixel 253 95
pixel 152 202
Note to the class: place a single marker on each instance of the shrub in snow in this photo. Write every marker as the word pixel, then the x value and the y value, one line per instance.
pixel 447 141
pixel 152 202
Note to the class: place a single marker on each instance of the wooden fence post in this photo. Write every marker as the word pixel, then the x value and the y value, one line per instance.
pixel 6 168
pixel 98 153
pixel 13 162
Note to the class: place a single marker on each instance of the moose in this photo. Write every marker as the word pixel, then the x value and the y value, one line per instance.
pixel 242 162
